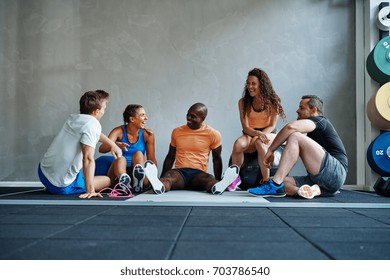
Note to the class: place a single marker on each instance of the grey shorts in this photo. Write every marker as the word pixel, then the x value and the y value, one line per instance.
pixel 331 177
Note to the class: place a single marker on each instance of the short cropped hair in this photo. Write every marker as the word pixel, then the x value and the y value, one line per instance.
pixel 92 100
pixel 315 101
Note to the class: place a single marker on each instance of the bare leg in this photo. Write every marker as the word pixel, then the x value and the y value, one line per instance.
pixel 290 186
pixel 205 180
pixel 299 145
pixel 138 158
pixel 239 147
pixel 261 151
pixel 172 180
pixel 101 182
pixel 118 167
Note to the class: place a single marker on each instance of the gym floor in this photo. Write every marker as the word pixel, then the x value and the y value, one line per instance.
pixel 184 225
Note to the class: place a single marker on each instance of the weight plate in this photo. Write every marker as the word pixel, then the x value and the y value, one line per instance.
pixel 378 61
pixel 382 101
pixel 383 19
pixel 378 108
pixel 378 154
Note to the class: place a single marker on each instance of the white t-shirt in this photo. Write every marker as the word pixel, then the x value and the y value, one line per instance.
pixel 64 158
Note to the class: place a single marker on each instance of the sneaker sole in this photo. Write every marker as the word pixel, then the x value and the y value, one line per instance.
pixel 151 173
pixel 125 180
pixel 268 195
pixel 138 175
pixel 228 177
pixel 235 188
pixel 309 192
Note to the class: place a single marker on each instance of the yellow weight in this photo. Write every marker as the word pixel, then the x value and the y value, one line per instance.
pixel 378 108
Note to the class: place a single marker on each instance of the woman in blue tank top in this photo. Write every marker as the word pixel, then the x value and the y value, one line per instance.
pixel 137 144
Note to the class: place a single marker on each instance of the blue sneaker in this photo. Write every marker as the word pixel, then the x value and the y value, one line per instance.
pixel 268 189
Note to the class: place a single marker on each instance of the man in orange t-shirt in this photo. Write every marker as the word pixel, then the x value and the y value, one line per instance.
pixel 189 151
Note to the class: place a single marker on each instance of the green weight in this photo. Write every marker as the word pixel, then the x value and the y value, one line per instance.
pixel 378 61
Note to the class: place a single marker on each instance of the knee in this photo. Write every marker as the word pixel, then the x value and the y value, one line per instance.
pixel 260 146
pixel 121 160
pixel 295 136
pixel 240 145
pixel 167 177
pixel 138 156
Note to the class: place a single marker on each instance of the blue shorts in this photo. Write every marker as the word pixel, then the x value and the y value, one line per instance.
pixel 331 177
pixel 188 175
pixel 76 187
pixel 103 164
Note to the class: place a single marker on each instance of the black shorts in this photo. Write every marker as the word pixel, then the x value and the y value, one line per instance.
pixel 261 129
pixel 188 175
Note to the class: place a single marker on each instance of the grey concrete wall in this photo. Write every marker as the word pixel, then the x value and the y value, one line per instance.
pixel 166 55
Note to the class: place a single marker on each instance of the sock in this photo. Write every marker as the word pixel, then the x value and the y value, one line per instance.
pixel 276 184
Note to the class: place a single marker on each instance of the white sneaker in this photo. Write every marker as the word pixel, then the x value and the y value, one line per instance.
pixel 229 176
pixel 309 192
pixel 151 172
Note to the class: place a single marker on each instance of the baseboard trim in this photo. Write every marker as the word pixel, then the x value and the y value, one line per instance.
pixel 26 184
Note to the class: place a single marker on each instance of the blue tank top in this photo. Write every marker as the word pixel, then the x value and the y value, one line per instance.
pixel 137 146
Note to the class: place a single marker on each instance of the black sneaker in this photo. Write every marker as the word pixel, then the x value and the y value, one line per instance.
pixel 124 182
pixel 138 176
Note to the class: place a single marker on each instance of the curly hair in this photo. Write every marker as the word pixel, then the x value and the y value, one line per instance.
pixel 269 97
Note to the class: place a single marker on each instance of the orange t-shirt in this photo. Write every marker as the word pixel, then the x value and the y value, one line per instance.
pixel 193 146
pixel 258 119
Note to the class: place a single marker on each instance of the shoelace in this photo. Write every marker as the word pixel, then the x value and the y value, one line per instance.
pixel 119 190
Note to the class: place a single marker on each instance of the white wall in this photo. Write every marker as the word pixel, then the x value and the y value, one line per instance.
pixel 166 55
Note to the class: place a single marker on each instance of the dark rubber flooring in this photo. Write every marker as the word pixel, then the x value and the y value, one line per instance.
pixel 89 232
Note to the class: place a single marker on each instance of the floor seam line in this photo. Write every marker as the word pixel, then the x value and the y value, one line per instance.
pixel 173 246
pixel 307 240
pixel 21 249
